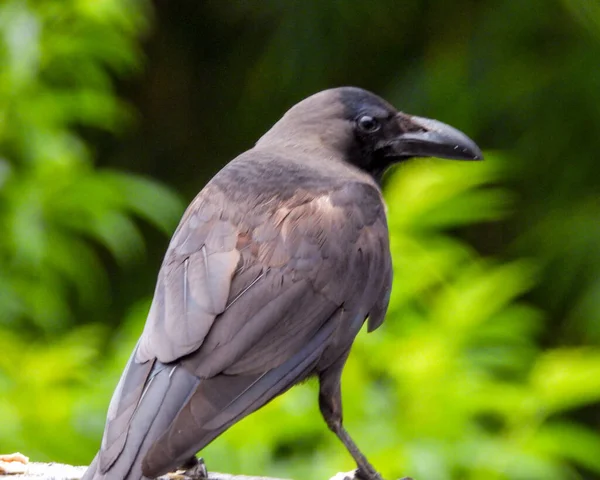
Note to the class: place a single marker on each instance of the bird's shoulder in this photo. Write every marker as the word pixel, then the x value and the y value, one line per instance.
pixel 239 248
pixel 280 208
pixel 282 173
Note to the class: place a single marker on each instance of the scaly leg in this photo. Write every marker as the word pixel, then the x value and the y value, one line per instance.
pixel 330 403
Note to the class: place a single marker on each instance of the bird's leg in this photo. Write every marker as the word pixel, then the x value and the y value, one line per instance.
pixel 330 403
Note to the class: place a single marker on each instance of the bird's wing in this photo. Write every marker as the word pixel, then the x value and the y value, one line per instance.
pixel 249 304
pixel 239 295
pixel 306 279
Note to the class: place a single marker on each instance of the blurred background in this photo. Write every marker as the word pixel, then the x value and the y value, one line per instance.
pixel 115 113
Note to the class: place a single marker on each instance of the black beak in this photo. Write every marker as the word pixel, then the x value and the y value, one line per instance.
pixel 424 137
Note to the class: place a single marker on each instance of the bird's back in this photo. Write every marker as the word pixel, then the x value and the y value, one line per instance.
pixel 272 256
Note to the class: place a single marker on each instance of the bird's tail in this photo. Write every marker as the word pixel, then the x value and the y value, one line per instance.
pixel 144 404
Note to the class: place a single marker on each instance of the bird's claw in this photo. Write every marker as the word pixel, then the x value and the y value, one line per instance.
pixel 371 474
pixel 196 471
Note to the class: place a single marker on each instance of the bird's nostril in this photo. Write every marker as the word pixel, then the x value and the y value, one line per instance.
pixel 407 124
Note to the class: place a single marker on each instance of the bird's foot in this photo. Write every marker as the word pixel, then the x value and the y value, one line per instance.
pixel 367 474
pixel 194 469
pixel 197 471
pixel 360 475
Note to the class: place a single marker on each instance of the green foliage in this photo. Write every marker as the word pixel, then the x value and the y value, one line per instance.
pixel 58 212
pixel 56 77
pixel 487 366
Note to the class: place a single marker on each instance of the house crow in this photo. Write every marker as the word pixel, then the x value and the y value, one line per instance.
pixel 271 273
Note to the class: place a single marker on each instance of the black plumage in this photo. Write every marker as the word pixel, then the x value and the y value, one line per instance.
pixel 273 270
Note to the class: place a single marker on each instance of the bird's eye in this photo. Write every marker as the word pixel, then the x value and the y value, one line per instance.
pixel 368 124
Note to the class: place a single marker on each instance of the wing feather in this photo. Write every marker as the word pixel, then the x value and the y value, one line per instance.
pixel 245 289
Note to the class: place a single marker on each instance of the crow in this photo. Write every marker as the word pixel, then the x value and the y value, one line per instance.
pixel 271 273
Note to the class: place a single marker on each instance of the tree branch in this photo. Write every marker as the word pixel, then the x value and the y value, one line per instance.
pixel 57 471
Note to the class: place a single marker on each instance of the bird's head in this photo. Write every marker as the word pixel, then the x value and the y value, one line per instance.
pixel 368 131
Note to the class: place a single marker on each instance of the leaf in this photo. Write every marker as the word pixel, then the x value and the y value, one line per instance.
pixel 148 199
pixel 575 442
pixel 566 378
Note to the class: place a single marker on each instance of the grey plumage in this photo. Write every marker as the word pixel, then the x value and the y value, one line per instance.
pixel 270 275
